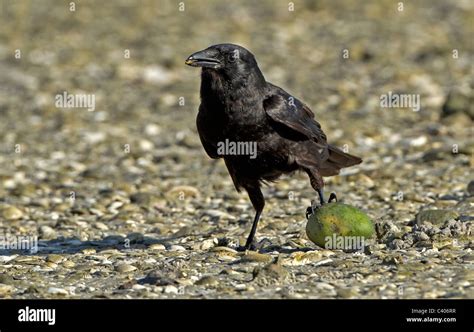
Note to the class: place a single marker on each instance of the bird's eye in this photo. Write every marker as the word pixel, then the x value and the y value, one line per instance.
pixel 234 56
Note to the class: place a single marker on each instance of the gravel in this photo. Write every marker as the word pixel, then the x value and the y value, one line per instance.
pixel 125 204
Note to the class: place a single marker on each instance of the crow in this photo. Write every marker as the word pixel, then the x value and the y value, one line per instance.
pixel 239 106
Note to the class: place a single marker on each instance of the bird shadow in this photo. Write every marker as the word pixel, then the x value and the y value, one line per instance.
pixel 73 245
pixel 283 250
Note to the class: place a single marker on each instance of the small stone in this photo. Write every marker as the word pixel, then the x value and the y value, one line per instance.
pixel 433 155
pixel 158 75
pixel 225 254
pixel 32 289
pixel 220 249
pixel 141 198
pixel 138 287
pixel 208 281
pixel 6 279
pixel 94 137
pixel 302 258
pixel 51 265
pixel 183 232
pixel 170 289
pixel 253 256
pixel 54 258
pixel 240 287
pixel 347 293
pixel 469 258
pixel 157 246
pixel 47 233
pixel 324 286
pixel 218 214
pixel 157 278
pixel 436 217
pixel 5 259
pixel 470 188
pixel 226 257
pixel 114 206
pixel 182 192
pixel 12 213
pixel 323 262
pixel 69 264
pixel 366 181
pixel 176 247
pixel 125 268
pixel 397 244
pixel 146 145
pixel 459 101
pixel 419 141
pixel 62 207
pixel 395 259
pixel 425 244
pixel 208 244
pixel 5 289
pixel 152 129
pixel 57 291
pixel 271 273
pixel 423 236
pixel 101 226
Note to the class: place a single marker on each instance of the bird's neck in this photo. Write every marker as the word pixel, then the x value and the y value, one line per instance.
pixel 224 88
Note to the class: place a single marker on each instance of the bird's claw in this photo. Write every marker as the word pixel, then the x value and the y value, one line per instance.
pixel 242 248
pixel 332 197
pixel 310 210
pixel 254 246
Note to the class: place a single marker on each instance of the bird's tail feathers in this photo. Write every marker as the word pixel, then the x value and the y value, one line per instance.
pixel 339 159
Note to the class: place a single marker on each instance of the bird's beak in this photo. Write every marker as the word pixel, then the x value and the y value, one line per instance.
pixel 203 59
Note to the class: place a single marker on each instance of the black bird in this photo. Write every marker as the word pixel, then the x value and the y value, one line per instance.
pixel 238 105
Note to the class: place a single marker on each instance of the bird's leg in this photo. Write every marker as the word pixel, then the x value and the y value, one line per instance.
pixel 321 196
pixel 249 243
pixel 321 200
pixel 310 210
pixel 258 202
pixel 317 183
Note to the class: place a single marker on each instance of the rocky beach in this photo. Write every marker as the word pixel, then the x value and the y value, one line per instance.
pixel 122 201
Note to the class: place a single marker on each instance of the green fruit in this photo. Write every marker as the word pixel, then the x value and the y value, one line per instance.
pixel 339 226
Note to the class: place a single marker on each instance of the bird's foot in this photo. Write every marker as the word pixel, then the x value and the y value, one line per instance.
pixel 311 209
pixel 243 248
pixel 254 246
pixel 332 197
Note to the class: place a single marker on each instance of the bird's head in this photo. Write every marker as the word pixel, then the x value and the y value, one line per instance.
pixel 230 59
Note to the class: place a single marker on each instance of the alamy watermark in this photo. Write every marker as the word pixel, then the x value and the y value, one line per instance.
pixel 68 100
pixel 232 148
pixel 37 315
pixel 19 242
pixel 338 242
pixel 400 100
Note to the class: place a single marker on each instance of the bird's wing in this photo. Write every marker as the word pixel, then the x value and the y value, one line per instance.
pixel 209 145
pixel 298 118
pixel 292 113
